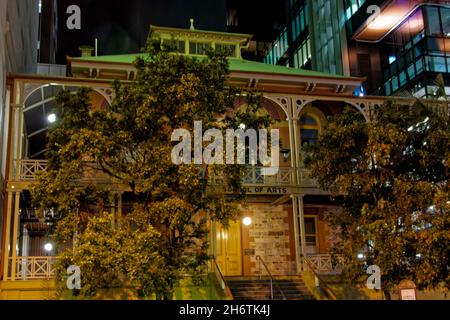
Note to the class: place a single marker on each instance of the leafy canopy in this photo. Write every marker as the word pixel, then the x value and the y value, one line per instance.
pixel 94 155
pixel 391 176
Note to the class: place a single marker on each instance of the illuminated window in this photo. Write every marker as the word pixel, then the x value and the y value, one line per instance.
pixel 445 17
pixel 230 49
pixel 199 47
pixel 175 45
pixel 433 26
pixel 352 6
pixel 278 49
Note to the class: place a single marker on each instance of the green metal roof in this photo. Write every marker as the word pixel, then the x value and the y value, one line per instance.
pixel 236 65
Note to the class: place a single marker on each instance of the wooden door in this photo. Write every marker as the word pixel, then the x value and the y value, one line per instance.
pixel 229 253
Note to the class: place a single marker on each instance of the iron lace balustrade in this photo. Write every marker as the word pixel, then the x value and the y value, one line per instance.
pixel 28 170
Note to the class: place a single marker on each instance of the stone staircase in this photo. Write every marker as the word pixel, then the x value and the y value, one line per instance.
pixel 247 288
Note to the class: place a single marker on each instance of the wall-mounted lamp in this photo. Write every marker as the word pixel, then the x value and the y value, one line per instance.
pixel 48 247
pixel 247 221
pixel 286 153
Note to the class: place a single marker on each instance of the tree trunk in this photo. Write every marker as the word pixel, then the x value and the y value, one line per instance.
pixel 387 294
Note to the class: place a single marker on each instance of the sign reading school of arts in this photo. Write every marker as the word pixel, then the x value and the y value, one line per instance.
pixel 266 190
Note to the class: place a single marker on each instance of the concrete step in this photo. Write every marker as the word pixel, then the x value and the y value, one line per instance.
pixel 259 289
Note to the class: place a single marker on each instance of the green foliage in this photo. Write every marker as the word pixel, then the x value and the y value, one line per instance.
pixel 94 154
pixel 391 177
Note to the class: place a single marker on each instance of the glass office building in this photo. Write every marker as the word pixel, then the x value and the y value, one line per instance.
pixel 416 52
pixel 293 46
pixel 313 37
pixel 402 49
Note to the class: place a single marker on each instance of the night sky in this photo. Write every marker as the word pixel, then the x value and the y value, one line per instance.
pixel 122 25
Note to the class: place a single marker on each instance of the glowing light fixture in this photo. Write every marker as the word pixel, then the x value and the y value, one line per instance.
pixel 247 221
pixel 51 118
pixel 384 21
pixel 392 59
pixel 48 247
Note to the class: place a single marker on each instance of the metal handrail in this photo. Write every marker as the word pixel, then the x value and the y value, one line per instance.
pixel 272 282
pixel 326 288
pixel 221 278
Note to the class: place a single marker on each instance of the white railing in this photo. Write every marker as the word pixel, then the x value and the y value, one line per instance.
pixel 27 170
pixel 284 177
pixel 305 179
pixel 31 268
pixel 324 263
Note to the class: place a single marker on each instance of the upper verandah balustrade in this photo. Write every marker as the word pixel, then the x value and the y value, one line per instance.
pixel 28 170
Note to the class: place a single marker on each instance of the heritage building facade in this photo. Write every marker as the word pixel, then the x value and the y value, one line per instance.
pixel 284 219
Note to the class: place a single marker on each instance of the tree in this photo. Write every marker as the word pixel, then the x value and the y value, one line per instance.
pixel 391 176
pixel 129 146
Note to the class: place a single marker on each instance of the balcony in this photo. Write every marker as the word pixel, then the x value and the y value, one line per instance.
pixel 28 170
pixel 31 268
pixel 284 177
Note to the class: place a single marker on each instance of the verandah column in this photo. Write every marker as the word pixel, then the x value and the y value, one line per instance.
pixel 15 235
pixel 6 244
pixel 298 259
pixel 301 219
pixel 295 182
pixel 297 204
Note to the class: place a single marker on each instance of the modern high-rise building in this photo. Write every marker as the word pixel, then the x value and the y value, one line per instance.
pixel 48 31
pixel 264 26
pixel 398 45
pixel 408 42
pixel 18 54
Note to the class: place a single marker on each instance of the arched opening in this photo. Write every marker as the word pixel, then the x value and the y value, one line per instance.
pixel 39 114
pixel 311 122
pixel 280 123
pixel 309 129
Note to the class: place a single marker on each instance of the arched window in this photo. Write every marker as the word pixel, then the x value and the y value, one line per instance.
pixel 309 129
pixel 40 112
